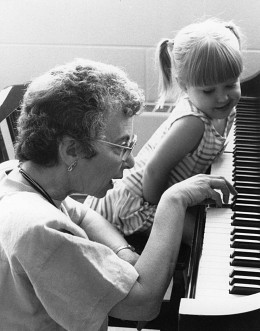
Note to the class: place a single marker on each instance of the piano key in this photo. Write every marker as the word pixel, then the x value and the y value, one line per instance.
pixel 250 215
pixel 214 267
pixel 238 271
pixel 245 261
pixel 245 252
pixel 244 289
pixel 247 189
pixel 246 207
pixel 249 177
pixel 249 197
pixel 245 243
pixel 245 280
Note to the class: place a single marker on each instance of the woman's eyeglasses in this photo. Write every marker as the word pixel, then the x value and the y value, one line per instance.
pixel 126 149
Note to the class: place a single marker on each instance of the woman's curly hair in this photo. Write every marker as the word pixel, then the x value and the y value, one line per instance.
pixel 75 100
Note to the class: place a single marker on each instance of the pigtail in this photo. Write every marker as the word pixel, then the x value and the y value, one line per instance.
pixel 235 30
pixel 165 70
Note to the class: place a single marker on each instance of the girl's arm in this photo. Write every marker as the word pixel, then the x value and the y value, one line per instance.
pixel 183 137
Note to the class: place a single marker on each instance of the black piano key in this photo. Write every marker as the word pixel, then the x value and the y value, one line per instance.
pixel 245 262
pixel 246 141
pixel 245 236
pixel 245 230
pixel 246 121
pixel 246 154
pixel 246 149
pixel 254 138
pixel 244 173
pixel 255 178
pixel 246 130
pixel 244 272
pixel 246 207
pixel 245 222
pixel 246 189
pixel 244 196
pixel 246 158
pixel 245 253
pixel 240 116
pixel 246 201
pixel 251 169
pixel 241 214
pixel 245 280
pixel 247 162
pixel 247 184
pixel 248 258
pixel 244 243
pixel 244 289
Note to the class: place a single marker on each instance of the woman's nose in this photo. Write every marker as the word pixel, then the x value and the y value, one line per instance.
pixel 129 162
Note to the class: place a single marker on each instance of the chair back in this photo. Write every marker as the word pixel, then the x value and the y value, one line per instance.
pixel 10 99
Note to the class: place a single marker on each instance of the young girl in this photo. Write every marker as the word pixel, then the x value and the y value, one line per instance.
pixel 205 59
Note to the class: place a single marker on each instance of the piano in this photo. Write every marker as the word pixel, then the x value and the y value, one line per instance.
pixel 223 291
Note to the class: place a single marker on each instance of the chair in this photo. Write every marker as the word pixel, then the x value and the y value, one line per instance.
pixel 10 98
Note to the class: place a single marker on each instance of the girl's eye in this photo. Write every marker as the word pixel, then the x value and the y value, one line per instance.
pixel 232 85
pixel 208 91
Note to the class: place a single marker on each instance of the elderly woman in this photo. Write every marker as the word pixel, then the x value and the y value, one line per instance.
pixel 63 266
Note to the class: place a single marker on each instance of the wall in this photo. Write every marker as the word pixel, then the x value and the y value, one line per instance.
pixel 38 34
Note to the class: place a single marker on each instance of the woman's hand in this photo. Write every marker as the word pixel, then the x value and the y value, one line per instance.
pixel 128 255
pixel 200 188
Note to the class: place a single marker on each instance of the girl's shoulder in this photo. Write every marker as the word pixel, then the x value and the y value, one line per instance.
pixel 184 107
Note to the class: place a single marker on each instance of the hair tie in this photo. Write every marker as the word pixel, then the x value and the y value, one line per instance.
pixel 229 27
pixel 170 44
pixel 235 33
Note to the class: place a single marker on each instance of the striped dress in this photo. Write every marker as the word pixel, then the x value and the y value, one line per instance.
pixel 124 205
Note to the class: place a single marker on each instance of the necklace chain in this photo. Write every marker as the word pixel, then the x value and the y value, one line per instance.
pixel 36 186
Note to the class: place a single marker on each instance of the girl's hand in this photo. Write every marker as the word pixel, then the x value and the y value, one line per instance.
pixel 199 188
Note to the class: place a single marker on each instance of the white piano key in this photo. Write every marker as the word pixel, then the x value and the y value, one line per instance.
pixel 214 266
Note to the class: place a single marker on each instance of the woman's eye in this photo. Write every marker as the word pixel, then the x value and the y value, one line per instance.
pixel 125 144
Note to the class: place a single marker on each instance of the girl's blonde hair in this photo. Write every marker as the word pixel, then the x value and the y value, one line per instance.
pixel 202 54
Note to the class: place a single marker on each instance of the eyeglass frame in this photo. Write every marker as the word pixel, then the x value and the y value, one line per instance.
pixel 127 150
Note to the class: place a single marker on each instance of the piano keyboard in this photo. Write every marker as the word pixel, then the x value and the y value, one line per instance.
pixel 230 259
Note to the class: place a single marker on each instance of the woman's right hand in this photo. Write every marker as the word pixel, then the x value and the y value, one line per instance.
pixel 197 189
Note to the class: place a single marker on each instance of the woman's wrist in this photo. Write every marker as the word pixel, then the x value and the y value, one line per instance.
pixel 128 254
pixel 127 246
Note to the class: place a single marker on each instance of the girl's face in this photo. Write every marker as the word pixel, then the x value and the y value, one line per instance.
pixel 216 101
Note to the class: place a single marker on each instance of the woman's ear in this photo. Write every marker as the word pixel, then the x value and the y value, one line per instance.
pixel 68 150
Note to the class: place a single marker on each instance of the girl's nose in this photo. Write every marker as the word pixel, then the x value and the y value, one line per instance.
pixel 222 96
